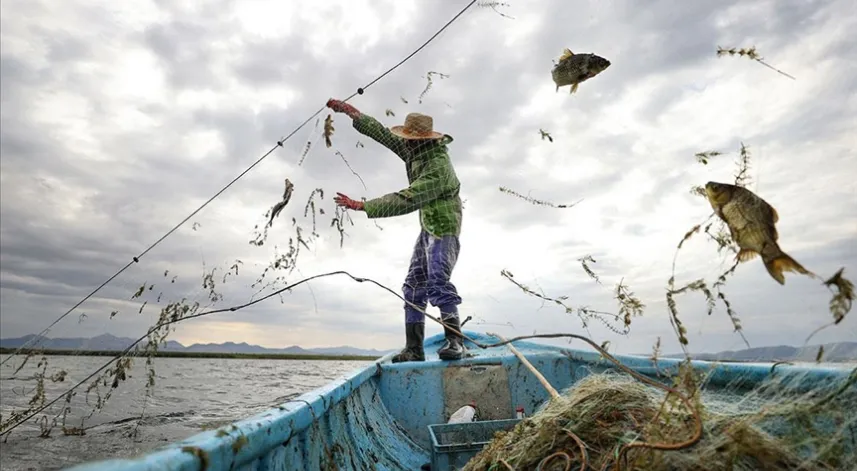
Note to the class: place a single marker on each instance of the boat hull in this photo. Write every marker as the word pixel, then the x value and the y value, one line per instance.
pixel 378 418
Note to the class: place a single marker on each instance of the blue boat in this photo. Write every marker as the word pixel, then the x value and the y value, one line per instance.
pixel 385 417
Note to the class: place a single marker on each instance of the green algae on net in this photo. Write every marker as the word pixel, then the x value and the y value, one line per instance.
pixel 593 425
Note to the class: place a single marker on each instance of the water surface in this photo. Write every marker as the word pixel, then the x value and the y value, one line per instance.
pixel 191 395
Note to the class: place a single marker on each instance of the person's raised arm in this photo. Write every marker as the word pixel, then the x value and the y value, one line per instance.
pixel 369 126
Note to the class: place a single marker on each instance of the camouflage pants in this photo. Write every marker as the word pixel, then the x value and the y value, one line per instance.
pixel 428 277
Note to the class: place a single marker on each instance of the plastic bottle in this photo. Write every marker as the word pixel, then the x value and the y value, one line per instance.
pixel 464 414
pixel 519 412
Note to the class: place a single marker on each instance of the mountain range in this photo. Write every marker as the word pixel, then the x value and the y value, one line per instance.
pixel 833 352
pixel 107 342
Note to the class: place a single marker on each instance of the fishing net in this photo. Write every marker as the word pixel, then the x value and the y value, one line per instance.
pixel 614 421
pixel 348 227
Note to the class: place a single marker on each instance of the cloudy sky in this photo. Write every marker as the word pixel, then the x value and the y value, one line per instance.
pixel 119 119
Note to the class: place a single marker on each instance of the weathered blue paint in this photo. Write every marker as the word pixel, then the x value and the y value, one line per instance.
pixel 377 418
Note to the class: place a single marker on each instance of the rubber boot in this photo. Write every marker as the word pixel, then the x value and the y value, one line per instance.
pixel 453 348
pixel 413 351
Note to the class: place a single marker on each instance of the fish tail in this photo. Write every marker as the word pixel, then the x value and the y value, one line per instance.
pixel 782 263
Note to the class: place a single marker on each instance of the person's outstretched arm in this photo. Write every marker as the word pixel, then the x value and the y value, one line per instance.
pixel 436 181
pixel 369 127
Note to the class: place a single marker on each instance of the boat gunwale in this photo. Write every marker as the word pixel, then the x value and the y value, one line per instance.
pixel 309 406
pixel 296 415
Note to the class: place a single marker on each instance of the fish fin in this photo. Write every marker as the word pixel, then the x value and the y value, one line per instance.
pixel 573 89
pixel 783 263
pixel 557 88
pixel 566 53
pixel 772 229
pixel 772 213
pixel 745 255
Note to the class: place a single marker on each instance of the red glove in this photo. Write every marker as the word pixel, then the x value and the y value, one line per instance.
pixel 342 107
pixel 342 200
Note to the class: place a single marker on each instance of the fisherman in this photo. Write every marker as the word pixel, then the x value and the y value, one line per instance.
pixel 433 191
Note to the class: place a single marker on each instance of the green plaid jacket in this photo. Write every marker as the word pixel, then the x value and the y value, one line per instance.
pixel 433 186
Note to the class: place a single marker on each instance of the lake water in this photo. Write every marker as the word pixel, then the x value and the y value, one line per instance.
pixel 191 395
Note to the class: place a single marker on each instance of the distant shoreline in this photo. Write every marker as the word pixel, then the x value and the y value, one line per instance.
pixel 169 354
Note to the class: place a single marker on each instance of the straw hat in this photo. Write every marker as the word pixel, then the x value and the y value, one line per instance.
pixel 417 126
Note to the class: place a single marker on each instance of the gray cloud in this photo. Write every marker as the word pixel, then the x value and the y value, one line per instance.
pixel 89 182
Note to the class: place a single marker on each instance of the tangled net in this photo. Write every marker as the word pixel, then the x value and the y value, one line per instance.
pixel 613 421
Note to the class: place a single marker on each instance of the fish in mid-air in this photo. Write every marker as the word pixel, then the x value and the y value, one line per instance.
pixel 287 196
pixel 574 69
pixel 328 130
pixel 751 222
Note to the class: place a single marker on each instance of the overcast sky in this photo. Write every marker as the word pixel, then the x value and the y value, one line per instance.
pixel 119 119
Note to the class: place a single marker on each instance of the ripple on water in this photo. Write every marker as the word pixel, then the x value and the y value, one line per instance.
pixel 190 395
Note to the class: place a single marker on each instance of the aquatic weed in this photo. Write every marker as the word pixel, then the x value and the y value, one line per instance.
pixel 843 297
pixel 538 202
pixel 430 82
pixel 493 4
pixel 629 306
pixel 704 157
pixel 749 53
